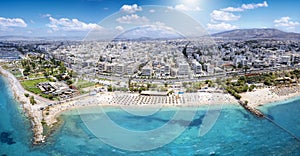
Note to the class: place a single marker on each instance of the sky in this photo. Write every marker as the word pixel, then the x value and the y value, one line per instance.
pixel 44 18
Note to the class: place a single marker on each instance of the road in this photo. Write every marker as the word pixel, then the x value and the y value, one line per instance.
pixel 203 78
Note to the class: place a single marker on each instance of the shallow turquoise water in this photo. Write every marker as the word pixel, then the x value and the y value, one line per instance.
pixel 236 132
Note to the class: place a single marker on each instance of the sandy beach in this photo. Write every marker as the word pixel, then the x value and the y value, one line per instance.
pixel 270 95
pixel 136 101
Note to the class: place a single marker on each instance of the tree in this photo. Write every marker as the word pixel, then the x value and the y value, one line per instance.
pixel 46 72
pixel 58 77
pixel 237 96
pixel 246 69
pixel 62 67
pixel 71 73
pixel 218 81
pixel 171 92
pixel 33 65
pixel 242 78
pixel 251 88
pixel 166 84
pixel 109 88
pixel 268 82
pixel 240 65
pixel 211 84
pixel 245 88
pixel 207 81
pixel 148 85
pixel 26 71
pixel 69 82
pixel 32 100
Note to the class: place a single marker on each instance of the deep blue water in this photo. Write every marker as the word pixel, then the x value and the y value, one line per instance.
pixel 236 132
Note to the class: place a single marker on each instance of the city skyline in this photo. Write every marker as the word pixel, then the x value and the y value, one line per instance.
pixel 77 18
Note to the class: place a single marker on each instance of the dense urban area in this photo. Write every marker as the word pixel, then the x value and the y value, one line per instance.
pixel 63 69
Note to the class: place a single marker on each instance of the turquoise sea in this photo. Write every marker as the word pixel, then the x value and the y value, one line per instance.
pixel 236 132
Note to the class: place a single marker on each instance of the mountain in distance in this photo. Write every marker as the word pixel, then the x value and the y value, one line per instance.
pixel 37 38
pixel 144 33
pixel 149 34
pixel 256 34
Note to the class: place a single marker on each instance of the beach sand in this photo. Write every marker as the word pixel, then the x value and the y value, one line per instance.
pixel 119 100
pixel 264 96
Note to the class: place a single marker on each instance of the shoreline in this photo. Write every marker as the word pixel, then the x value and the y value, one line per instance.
pixel 103 100
pixel 49 116
pixel 267 96
pixel 31 111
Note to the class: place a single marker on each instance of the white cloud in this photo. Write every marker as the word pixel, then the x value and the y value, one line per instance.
pixel 119 28
pixel 12 22
pixel 161 25
pixel 253 6
pixel 232 9
pixel 182 7
pixel 219 15
pixel 46 15
pixel 49 31
pixel 131 8
pixel 246 7
pixel 133 19
pixel 66 24
pixel 152 11
pixel 285 22
pixel 221 26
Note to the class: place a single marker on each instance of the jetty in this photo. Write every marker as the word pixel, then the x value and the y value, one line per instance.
pixel 259 114
pixel 252 110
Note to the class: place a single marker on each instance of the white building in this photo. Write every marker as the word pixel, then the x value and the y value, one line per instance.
pixel 110 67
pixel 102 66
pixel 119 68
pixel 208 68
pixel 239 60
pixel 129 70
pixel 285 59
pixel 183 69
pixel 197 67
pixel 146 71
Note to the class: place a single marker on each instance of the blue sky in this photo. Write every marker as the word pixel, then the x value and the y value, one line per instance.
pixel 77 17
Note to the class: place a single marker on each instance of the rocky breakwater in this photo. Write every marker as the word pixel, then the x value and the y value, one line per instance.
pixel 32 111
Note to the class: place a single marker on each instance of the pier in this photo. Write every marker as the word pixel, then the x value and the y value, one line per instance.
pixel 252 110
pixel 259 114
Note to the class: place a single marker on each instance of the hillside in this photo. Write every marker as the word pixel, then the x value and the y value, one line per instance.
pixel 256 33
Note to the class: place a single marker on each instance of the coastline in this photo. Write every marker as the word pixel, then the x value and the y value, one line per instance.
pixel 105 100
pixel 31 111
pixel 50 114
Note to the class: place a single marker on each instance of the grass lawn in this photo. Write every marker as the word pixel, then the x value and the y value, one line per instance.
pixel 83 84
pixel 35 75
pixel 104 79
pixel 4 66
pixel 16 73
pixel 30 85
